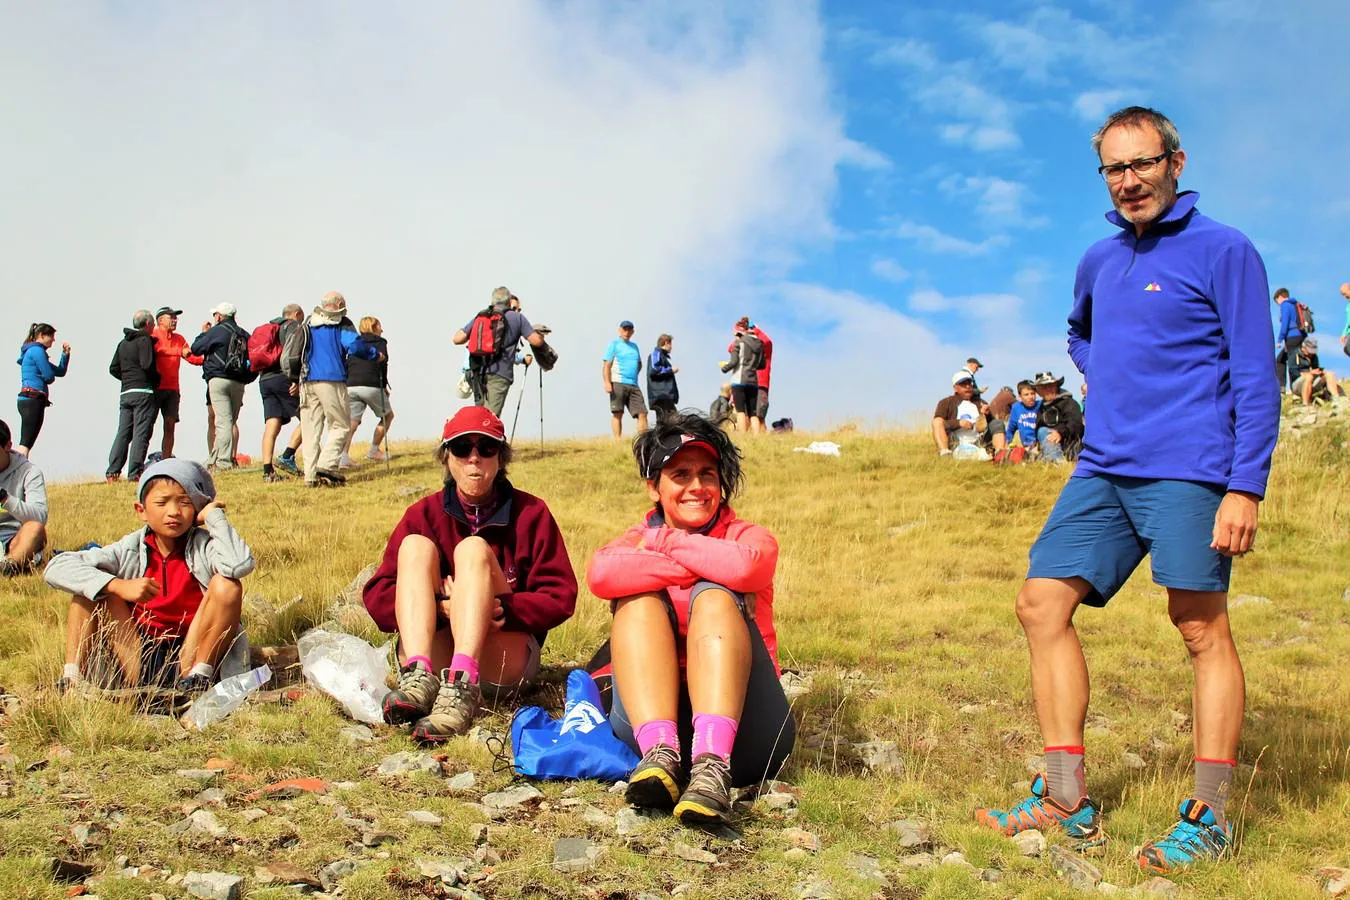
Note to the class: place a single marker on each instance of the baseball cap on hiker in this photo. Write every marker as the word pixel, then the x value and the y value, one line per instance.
pixel 473 420
pixel 192 476
pixel 978 364
pixel 167 311
pixel 627 323
pixel 963 375
pixel 664 452
pixel 543 329
pixel 227 310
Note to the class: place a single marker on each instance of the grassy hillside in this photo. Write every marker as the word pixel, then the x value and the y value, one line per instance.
pixel 894 599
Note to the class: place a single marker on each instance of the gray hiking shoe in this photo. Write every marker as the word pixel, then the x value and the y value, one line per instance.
pixel 654 782
pixel 707 800
pixel 453 712
pixel 10 567
pixel 412 699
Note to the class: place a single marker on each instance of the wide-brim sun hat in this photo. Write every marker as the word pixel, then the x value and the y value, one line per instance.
pixel 1041 379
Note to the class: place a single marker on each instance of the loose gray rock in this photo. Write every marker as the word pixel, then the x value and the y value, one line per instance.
pixel 1242 600
pixel 513 797
pixel 911 835
pixel 803 839
pixel 794 685
pixel 881 756
pixel 627 821
pixel 423 817
pixel 819 889
pixel 1074 869
pixel 205 823
pixel 593 816
pixel 408 762
pixel 1029 843
pixel 451 871
pixel 917 861
pixel 957 858
pixel 1107 887
pixel 681 850
pixel 214 885
pixel 331 873
pixel 464 781
pixel 1159 885
pixel 868 867
pixel 778 800
pixel 356 734
pixel 991 876
pixel 212 796
pixel 486 856
pixel 1133 761
pixel 89 834
pixel 575 854
pixel 1335 880
pixel 618 787
pixel 378 838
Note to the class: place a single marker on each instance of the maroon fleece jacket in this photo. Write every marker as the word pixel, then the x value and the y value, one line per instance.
pixel 523 536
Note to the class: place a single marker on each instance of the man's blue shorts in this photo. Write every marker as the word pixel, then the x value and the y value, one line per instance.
pixel 1103 525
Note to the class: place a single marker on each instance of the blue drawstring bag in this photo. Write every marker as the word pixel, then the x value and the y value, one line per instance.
pixel 579 745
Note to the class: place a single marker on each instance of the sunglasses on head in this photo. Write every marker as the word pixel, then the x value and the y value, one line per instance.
pixel 462 446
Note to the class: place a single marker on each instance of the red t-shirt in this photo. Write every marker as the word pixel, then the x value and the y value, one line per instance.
pixel 180 595
pixel 169 355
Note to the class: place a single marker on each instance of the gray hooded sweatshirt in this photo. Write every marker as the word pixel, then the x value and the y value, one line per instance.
pixel 27 496
pixel 216 549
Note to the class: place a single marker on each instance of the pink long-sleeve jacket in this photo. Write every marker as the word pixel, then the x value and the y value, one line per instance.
pixel 652 556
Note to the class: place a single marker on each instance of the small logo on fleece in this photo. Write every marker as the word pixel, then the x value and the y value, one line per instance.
pixel 1153 287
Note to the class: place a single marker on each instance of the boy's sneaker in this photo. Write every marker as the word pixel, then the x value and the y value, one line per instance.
pixel 376 455
pixel 345 462
pixel 1082 824
pixel 287 465
pixel 707 800
pixel 654 782
pixel 1196 836
pixel 453 712
pixel 272 478
pixel 193 685
pixel 412 699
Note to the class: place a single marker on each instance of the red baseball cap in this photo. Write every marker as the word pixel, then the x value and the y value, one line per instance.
pixel 473 420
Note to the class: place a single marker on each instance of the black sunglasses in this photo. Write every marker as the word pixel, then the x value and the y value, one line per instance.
pixel 462 446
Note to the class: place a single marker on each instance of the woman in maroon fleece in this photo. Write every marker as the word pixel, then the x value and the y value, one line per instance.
pixel 473 577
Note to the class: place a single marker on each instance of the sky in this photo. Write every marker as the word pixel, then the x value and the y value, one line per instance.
pixel 885 188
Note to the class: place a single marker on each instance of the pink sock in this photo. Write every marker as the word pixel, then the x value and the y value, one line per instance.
pixel 657 731
pixel 419 661
pixel 713 734
pixel 463 663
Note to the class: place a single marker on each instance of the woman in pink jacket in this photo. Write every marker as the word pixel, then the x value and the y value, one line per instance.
pixel 693 648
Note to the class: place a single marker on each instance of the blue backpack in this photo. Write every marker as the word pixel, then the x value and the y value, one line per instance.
pixel 579 745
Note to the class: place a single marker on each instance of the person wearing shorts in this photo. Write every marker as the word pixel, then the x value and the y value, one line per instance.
pixel 1190 505
pixel 690 588
pixel 619 376
pixel 171 349
pixel 473 578
pixel 368 389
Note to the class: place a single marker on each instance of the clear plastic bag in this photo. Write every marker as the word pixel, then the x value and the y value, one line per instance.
pixel 225 697
pixel 347 669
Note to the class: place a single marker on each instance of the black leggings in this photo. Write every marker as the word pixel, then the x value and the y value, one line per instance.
pixel 766 732
pixel 32 413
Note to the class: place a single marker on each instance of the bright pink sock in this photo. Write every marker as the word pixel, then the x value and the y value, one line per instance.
pixel 657 731
pixel 422 661
pixel 713 734
pixel 462 663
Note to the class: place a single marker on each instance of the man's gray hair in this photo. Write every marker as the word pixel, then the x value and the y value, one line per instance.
pixel 291 311
pixel 501 297
pixel 141 318
pixel 1138 117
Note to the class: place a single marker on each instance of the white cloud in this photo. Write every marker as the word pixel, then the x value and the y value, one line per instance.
pixel 888 269
pixel 934 240
pixel 916 54
pixel 972 306
pixel 1050 39
pixel 998 201
pixel 1095 106
pixel 604 163
pixel 855 153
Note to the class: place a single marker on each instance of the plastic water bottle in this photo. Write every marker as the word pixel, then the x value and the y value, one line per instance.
pixel 225 697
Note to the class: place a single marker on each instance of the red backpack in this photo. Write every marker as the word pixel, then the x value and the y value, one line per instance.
pixel 1305 318
pixel 264 347
pixel 487 336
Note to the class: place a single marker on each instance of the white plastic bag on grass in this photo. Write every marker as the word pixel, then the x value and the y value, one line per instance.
pixel 824 448
pixel 347 669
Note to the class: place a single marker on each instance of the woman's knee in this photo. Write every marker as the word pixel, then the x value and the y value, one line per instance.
pixel 417 549
pixel 472 551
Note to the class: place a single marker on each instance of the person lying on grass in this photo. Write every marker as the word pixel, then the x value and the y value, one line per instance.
pixel 165 600
pixel 693 647
pixel 473 579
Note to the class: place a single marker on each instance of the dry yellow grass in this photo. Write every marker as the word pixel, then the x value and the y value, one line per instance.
pixel 895 592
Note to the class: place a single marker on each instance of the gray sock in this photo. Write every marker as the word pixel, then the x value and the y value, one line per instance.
pixel 1213 779
pixel 1065 778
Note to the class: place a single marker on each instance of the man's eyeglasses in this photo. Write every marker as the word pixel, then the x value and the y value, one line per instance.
pixel 461 447
pixel 1140 167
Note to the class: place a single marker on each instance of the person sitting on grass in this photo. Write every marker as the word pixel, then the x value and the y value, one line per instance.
pixel 1022 416
pixel 165 600
pixel 692 644
pixel 721 411
pixel 1059 425
pixel 23 509
pixel 1311 381
pixel 473 579
pixel 958 415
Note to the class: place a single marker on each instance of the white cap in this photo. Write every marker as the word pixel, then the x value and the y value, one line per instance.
pixel 962 375
pixel 225 309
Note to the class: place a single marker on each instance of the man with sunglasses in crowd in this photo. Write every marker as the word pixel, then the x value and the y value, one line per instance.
pixel 1169 323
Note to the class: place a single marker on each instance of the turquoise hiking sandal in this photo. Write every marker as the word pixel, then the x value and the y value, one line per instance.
pixel 1082 824
pixel 1196 837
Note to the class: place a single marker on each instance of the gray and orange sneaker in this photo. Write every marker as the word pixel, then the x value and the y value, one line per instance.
pixel 654 782
pixel 1197 836
pixel 414 696
pixel 1082 824
pixel 707 800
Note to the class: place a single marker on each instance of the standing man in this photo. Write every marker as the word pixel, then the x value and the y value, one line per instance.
pixel 744 362
pixel 662 389
pixel 171 348
pixel 23 509
pixel 1345 332
pixel 762 401
pixel 1291 336
pixel 280 400
pixel 491 375
pixel 618 375
pixel 220 346
pixel 1192 505
pixel 133 364
pixel 325 342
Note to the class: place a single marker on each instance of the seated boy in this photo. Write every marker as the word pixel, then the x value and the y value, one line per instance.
pixel 165 600
pixel 23 510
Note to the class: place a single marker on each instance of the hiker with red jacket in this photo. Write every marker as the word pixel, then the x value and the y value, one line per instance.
pixel 171 348
pixel 761 410
pixel 492 336
pixel 280 395
pixel 693 646
pixel 473 579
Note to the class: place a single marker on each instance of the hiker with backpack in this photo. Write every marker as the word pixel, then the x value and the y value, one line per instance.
pixel 744 363
pixel 315 356
pixel 171 349
pixel 491 337
pixel 224 350
pixel 133 365
pixel 1296 323
pixel 36 376
pixel 368 389
pixel 280 395
pixel 662 391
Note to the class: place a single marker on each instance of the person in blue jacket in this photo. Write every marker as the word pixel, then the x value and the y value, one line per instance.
pixel 36 374
pixel 1169 323
pixel 662 392
pixel 1022 417
pixel 1290 338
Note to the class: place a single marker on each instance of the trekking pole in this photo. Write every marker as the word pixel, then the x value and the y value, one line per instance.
pixel 525 382
pixel 541 408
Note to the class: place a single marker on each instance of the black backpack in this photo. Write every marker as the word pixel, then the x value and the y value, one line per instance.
pixel 235 358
